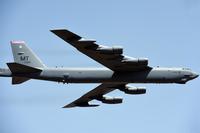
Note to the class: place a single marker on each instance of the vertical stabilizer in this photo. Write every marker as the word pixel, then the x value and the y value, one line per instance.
pixel 24 55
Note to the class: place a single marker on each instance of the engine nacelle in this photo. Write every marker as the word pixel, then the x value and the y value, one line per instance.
pixel 111 100
pixel 137 61
pixel 111 50
pixel 134 90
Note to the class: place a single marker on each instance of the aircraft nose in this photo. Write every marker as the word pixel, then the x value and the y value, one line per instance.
pixel 194 75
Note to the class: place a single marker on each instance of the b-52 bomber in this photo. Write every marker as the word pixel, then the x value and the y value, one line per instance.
pixel 119 72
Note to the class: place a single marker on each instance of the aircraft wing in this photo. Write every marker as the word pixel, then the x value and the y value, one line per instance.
pixel 111 57
pixel 96 94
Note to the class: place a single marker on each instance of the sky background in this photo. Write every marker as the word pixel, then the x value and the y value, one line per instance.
pixel 165 31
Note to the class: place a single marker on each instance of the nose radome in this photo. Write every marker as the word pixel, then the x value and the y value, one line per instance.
pixel 195 75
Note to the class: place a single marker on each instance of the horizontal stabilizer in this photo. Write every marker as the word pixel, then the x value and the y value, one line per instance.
pixel 19 80
pixel 17 68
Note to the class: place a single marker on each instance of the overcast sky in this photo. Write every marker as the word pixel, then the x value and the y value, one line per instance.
pixel 165 31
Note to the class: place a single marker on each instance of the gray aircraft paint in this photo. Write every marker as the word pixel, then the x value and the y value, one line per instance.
pixel 28 66
pixel 66 75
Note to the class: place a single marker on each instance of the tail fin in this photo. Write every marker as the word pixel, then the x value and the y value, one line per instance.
pixel 24 55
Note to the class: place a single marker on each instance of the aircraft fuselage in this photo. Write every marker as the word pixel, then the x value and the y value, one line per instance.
pixel 103 75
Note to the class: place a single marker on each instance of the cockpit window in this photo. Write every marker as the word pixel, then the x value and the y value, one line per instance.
pixel 186 69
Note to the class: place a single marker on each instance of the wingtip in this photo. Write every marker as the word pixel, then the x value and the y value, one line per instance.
pixel 66 35
pixel 53 31
pixel 69 106
pixel 66 107
pixel 59 29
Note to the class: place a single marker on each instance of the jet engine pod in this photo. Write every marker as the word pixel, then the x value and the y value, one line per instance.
pixel 111 100
pixel 136 61
pixel 110 50
pixel 134 90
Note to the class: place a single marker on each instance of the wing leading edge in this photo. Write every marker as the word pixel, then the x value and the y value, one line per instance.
pixel 111 57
